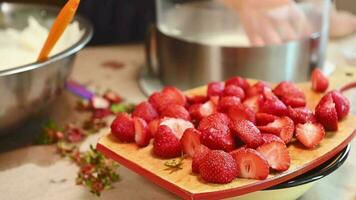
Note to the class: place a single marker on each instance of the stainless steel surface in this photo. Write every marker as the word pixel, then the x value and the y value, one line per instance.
pixel 200 41
pixel 188 64
pixel 27 90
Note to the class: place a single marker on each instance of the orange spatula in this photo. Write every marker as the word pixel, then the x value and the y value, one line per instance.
pixel 64 17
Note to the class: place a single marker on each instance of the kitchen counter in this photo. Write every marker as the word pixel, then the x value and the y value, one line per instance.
pixel 36 172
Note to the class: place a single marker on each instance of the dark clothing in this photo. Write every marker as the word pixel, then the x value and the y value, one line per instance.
pixel 118 21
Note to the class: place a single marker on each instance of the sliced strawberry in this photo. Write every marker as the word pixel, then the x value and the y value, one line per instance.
pixel 301 115
pixel 146 111
pixel 233 90
pixel 226 102
pixel 319 81
pixel 290 94
pixel 247 132
pixel 190 141
pixel 199 155
pixel 215 89
pixel 123 128
pixel 142 134
pixel 276 154
pixel 101 113
pixel 153 126
pixel 253 102
pixel 342 104
pixel 218 167
pixel 257 89
pixel 217 139
pixel 240 112
pixel 166 144
pixel 112 97
pixel 250 163
pixel 264 118
pixel 178 126
pixel 310 134
pixel 215 100
pixel 271 104
pixel 238 81
pixel 270 138
pixel 97 102
pixel 176 111
pixel 326 114
pixel 197 99
pixel 199 111
pixel 282 127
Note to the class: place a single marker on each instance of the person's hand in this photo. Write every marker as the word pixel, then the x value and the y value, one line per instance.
pixel 270 21
pixel 342 23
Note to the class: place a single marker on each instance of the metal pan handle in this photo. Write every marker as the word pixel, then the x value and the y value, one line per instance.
pixel 151 51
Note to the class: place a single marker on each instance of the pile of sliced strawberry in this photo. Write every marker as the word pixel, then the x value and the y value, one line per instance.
pixel 237 129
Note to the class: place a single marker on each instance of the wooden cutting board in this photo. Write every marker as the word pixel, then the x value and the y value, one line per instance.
pixel 189 186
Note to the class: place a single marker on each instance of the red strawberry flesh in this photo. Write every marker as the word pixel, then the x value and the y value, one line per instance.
pixel 250 163
pixel 190 141
pixel 276 154
pixel 310 134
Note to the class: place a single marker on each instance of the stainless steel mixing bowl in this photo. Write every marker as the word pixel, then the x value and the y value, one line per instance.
pixel 28 89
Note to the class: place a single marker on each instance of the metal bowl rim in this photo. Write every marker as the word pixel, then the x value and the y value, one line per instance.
pixel 317 173
pixel 88 34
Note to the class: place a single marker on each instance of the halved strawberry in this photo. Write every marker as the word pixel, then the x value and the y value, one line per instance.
pixel 190 141
pixel 342 104
pixel 271 104
pixel 253 102
pixel 238 81
pixel 239 112
pixel 309 134
pixel 197 99
pixel 264 118
pixel 218 139
pixel 215 89
pixel 290 94
pixel 146 111
pixel 166 144
pixel 178 126
pixel 276 154
pixel 153 126
pixel 123 128
pixel 176 111
pixel 233 90
pixel 257 89
pixel 142 134
pixel 97 102
pixel 301 115
pixel 282 127
pixel 218 167
pixel 326 114
pixel 112 97
pixel 199 111
pixel 247 132
pixel 319 81
pixel 270 138
pixel 199 155
pixel 250 163
pixel 226 102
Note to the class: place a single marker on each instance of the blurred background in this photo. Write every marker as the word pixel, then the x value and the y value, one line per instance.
pixel 122 21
